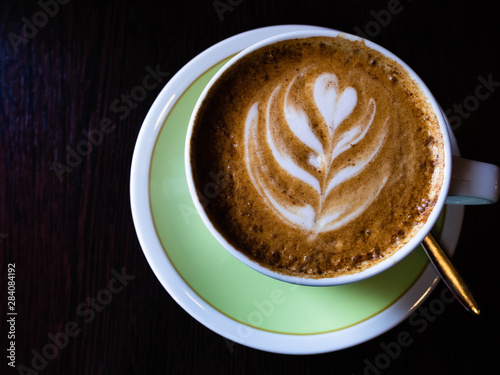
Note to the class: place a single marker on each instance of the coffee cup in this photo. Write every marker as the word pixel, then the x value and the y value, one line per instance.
pixel 320 158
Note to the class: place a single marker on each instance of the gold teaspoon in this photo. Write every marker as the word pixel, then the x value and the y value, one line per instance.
pixel 449 274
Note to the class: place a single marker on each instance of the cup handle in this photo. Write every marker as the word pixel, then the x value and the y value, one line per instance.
pixel 473 182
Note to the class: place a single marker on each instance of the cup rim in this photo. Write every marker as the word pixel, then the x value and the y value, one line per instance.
pixel 385 264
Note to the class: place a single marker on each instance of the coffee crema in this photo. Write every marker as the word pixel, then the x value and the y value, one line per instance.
pixel 328 156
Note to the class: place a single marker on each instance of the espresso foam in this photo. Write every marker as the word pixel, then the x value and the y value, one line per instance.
pixel 329 152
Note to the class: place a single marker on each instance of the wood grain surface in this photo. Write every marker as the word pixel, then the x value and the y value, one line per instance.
pixel 68 71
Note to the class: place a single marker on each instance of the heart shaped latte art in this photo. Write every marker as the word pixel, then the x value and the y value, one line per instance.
pixel 324 139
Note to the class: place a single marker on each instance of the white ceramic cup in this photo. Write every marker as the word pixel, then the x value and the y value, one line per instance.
pixel 465 181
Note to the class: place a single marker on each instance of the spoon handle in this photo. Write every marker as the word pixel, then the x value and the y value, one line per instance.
pixel 449 274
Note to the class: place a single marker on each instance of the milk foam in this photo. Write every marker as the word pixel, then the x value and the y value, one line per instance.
pixel 329 208
pixel 326 165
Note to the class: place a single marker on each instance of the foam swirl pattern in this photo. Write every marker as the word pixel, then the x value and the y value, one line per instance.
pixel 307 126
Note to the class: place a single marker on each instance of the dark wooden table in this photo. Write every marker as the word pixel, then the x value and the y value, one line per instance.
pixel 67 227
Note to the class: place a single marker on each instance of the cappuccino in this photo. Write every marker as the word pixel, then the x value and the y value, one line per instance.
pixel 328 156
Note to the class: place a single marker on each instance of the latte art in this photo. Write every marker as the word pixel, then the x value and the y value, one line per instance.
pixel 324 165
pixel 326 209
